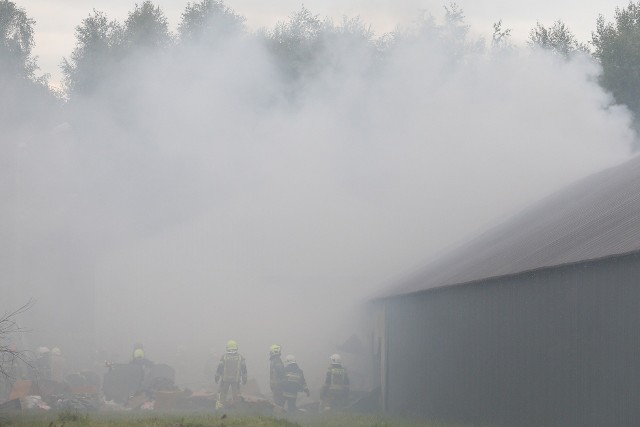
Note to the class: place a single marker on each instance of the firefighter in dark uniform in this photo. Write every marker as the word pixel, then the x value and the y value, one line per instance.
pixel 294 382
pixel 140 360
pixel 335 390
pixel 276 374
pixel 232 370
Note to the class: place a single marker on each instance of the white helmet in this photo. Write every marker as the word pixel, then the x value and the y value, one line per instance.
pixel 289 359
pixel 336 359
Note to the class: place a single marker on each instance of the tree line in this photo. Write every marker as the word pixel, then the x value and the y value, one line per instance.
pixel 301 47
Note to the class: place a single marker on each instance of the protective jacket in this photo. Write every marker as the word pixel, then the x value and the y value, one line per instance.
pixel 277 376
pixel 232 369
pixel 336 379
pixel 294 381
pixel 143 362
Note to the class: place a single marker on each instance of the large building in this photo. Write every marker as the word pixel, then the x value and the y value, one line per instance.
pixel 534 323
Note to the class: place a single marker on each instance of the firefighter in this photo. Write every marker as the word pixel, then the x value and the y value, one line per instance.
pixel 145 365
pixel 276 374
pixel 136 346
pixel 140 360
pixel 232 370
pixel 294 382
pixel 335 390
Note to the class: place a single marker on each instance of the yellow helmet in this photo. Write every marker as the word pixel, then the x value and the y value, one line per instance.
pixel 138 354
pixel 275 350
pixel 232 346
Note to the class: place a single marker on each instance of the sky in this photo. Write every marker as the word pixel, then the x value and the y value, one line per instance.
pixel 56 20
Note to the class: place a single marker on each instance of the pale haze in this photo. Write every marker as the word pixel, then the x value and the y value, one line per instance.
pixel 209 204
pixel 56 20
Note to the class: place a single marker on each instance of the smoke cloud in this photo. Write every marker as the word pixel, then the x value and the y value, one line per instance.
pixel 199 199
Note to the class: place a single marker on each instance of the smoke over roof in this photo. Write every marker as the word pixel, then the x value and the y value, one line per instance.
pixel 197 196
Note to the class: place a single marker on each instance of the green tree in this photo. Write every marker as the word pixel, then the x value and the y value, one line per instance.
pixel 306 45
pixel 451 37
pixel 16 41
pixel 501 38
pixel 557 39
pixel 92 60
pixel 209 21
pixel 454 34
pixel 103 47
pixel 296 43
pixel 348 44
pixel 146 28
pixel 25 99
pixel 617 47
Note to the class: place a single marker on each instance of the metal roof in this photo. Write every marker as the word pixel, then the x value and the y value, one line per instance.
pixel 596 217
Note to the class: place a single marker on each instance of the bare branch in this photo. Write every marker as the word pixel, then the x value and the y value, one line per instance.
pixel 9 353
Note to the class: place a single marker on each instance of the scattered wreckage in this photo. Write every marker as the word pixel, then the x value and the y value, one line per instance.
pixel 123 387
pixel 80 392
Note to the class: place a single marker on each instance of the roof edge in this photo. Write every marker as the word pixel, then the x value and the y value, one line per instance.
pixel 504 276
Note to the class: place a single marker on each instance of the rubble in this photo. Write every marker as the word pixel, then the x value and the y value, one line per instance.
pixel 127 387
pixel 34 402
pixel 77 403
pixel 11 405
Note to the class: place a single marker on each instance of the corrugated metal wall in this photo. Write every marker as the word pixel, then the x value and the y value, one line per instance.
pixel 558 347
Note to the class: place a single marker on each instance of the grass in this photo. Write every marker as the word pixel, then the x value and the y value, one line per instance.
pixel 136 419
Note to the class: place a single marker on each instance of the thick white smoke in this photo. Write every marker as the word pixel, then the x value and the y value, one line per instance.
pixel 217 205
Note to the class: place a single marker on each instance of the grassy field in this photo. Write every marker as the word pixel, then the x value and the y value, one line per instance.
pixel 71 419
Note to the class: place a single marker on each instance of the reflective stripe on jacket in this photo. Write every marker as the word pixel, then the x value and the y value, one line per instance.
pixel 338 379
pixel 294 380
pixel 232 365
